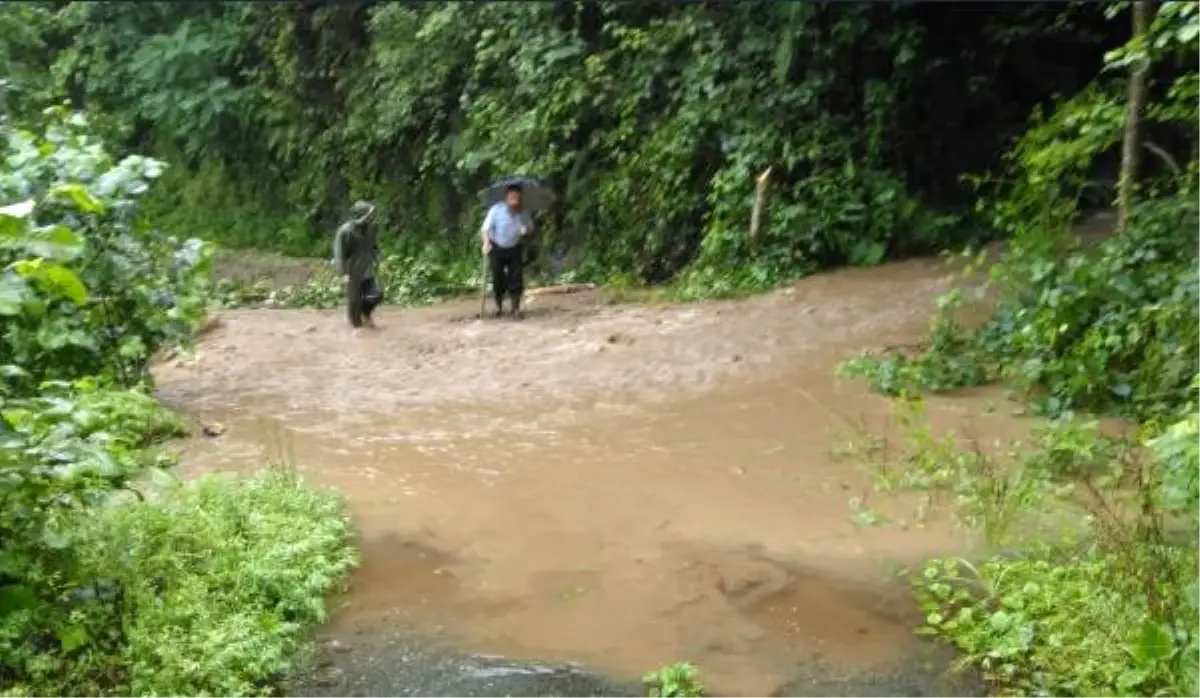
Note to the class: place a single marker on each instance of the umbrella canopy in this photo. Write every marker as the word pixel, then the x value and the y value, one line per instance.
pixel 535 195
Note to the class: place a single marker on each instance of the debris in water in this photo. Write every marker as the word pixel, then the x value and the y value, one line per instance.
pixel 212 430
pixel 328 677
pixel 491 672
pixel 338 646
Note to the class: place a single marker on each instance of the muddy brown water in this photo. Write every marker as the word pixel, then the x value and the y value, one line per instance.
pixel 620 486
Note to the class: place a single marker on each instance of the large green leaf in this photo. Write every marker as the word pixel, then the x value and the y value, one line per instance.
pixel 80 196
pixel 65 282
pixel 21 210
pixel 53 242
pixel 73 637
pixel 1153 644
pixel 14 220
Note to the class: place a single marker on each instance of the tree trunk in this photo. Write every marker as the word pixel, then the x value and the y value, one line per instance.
pixel 1131 149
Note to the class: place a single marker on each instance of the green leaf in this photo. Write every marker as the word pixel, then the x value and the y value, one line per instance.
pixel 132 348
pixel 1192 593
pixel 54 242
pixel 12 371
pixel 1153 644
pixel 1188 33
pixel 65 282
pixel 16 598
pixel 80 196
pixel 13 292
pixel 12 228
pixel 73 637
pixel 18 211
pixel 1131 679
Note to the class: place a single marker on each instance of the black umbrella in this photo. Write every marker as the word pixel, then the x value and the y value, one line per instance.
pixel 535 194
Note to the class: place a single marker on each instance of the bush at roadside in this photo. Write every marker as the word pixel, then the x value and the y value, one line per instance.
pixel 222 580
pixel 1108 605
pixel 1107 609
pixel 199 589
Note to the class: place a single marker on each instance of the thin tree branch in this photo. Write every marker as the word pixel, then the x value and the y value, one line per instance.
pixel 1166 157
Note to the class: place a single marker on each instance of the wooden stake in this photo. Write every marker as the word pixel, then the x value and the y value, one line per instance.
pixel 760 203
pixel 483 282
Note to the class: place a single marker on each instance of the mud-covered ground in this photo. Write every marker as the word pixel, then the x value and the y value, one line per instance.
pixel 617 486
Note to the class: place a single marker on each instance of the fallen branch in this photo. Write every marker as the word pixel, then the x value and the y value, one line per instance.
pixel 559 289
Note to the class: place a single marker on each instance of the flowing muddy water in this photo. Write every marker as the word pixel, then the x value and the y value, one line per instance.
pixel 620 486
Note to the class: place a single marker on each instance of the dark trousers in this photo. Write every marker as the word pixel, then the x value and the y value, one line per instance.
pixel 508 273
pixel 361 300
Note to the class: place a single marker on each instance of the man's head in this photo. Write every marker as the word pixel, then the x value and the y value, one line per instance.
pixel 512 196
pixel 362 212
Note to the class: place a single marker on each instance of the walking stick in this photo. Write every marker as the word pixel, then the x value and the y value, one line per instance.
pixel 483 279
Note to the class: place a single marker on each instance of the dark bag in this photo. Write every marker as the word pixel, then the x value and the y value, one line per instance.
pixel 373 292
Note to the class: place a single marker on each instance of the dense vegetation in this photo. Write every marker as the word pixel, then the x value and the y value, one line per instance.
pixel 115 579
pixel 1080 328
pixel 653 120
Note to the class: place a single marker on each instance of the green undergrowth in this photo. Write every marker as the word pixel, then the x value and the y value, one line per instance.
pixel 406 280
pixel 1107 328
pixel 117 580
pixel 114 578
pixel 1099 531
pixel 223 578
pixel 678 680
pixel 1075 625
pixel 1100 592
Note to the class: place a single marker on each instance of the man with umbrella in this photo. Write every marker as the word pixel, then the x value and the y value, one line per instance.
pixel 504 228
pixel 355 251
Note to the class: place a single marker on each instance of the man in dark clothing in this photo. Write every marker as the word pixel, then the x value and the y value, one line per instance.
pixel 503 230
pixel 355 252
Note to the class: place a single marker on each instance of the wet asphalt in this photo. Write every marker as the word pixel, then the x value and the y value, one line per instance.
pixel 402 664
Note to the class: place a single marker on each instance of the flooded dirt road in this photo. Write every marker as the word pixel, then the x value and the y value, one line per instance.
pixel 620 486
